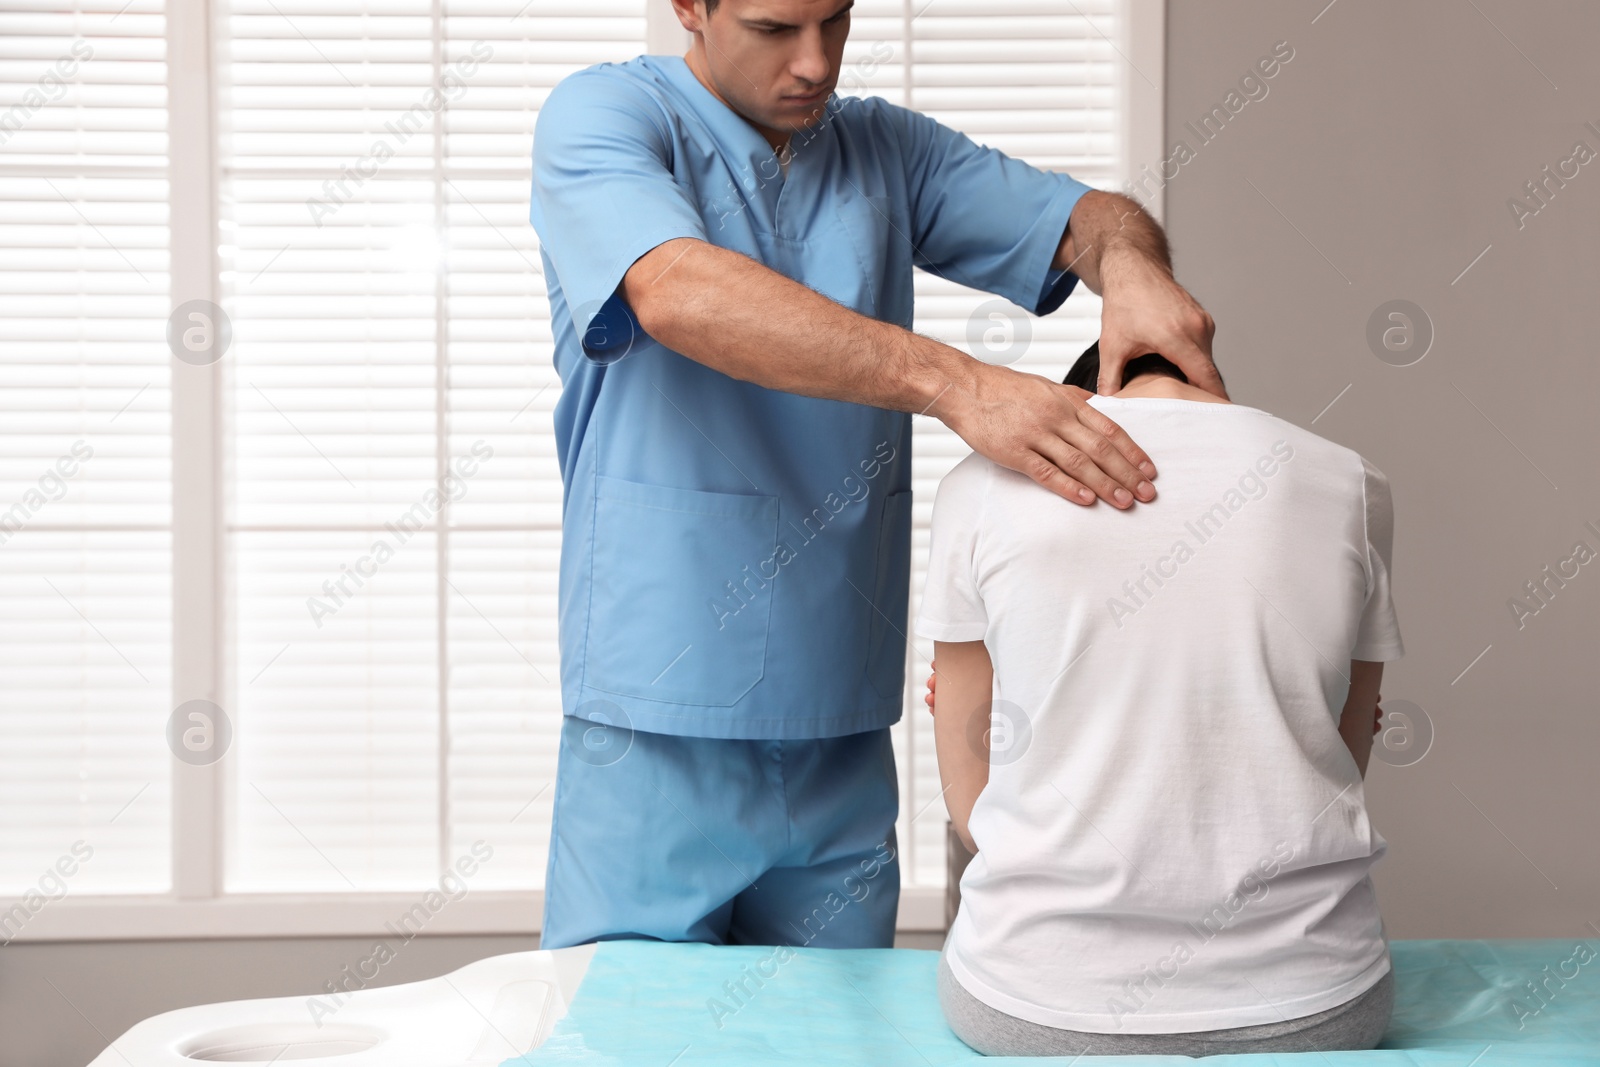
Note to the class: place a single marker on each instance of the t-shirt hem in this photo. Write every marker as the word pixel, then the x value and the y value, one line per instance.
pixel 951 631
pixel 1386 652
pixel 1147 1022
pixel 741 726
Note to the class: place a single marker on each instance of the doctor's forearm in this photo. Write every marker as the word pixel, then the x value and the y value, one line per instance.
pixel 1109 223
pixel 736 316
pixel 727 311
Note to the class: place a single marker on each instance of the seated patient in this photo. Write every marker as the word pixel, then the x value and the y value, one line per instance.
pixel 1171 836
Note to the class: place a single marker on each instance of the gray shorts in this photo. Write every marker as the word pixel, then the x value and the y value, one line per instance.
pixel 1358 1023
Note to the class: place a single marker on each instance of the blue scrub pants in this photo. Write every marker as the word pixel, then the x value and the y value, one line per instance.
pixel 722 841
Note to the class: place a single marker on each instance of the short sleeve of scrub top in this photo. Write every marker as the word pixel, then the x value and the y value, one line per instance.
pixel 965 219
pixel 602 179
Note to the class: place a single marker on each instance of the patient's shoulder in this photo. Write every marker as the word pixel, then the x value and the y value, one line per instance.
pixel 971 473
pixel 1319 452
pixel 966 484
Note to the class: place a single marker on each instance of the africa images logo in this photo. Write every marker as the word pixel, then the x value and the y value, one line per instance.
pixel 1251 485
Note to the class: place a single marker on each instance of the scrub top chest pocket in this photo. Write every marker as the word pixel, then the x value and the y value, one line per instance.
pixel 883 256
pixel 662 622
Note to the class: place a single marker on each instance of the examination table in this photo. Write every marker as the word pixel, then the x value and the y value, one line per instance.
pixel 1458 1003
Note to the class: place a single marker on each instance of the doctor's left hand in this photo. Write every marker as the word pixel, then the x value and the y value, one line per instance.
pixel 1121 253
pixel 1144 309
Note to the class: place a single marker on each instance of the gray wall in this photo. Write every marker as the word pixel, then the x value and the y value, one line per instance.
pixel 1377 167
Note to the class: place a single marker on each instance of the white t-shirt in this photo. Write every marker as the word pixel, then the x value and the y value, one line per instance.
pixel 1174 838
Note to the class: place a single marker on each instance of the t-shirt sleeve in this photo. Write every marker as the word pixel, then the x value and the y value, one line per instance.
pixel 603 194
pixel 1378 637
pixel 952 609
pixel 983 218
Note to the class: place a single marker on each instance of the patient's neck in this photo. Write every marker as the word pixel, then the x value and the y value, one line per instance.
pixel 1154 386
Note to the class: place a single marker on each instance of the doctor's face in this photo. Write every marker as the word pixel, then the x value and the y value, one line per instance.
pixel 772 61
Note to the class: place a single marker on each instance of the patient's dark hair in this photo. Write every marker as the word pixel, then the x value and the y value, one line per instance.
pixel 1085 373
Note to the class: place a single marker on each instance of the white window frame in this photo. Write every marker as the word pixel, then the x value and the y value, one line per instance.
pixel 197 907
pixel 1144 96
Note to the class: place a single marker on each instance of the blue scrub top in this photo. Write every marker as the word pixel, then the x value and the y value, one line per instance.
pixel 735 560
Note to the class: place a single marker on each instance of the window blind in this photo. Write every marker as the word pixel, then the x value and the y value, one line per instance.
pixel 394 518
pixel 391 494
pixel 384 322
pixel 85 560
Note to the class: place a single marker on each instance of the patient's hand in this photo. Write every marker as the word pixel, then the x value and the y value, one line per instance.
pixel 928 697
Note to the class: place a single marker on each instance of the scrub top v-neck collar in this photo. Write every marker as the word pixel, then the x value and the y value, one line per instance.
pixel 736 133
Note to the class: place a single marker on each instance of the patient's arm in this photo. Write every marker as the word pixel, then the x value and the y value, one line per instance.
pixel 961 727
pixel 1360 710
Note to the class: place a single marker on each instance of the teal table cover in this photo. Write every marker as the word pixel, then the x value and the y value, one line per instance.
pixel 1458 1004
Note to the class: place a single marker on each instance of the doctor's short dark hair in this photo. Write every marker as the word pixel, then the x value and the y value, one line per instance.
pixel 1085 373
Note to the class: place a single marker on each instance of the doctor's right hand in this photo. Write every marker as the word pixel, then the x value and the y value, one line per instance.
pixel 1048 432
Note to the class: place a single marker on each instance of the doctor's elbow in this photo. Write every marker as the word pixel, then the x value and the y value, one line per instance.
pixel 651 291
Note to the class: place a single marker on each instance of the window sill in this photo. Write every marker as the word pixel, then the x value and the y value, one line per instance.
pixel 166 917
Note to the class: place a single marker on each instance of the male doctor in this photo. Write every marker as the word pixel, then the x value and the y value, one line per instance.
pixel 728 249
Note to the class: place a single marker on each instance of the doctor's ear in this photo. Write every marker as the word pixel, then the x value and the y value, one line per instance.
pixel 693 14
pixel 688 17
